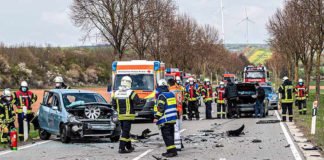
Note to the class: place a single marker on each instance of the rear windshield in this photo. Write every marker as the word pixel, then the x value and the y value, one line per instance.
pixel 267 90
pixel 246 89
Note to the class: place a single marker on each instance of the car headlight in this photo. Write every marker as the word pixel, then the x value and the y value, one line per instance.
pixel 274 97
pixel 149 100
pixel 114 117
pixel 72 118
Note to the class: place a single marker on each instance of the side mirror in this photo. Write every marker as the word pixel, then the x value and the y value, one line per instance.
pixel 55 108
pixel 109 88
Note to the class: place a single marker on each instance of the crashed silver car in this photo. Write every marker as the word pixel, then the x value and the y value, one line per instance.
pixel 77 114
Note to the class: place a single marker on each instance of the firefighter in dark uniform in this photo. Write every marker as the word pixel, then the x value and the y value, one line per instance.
pixel 286 91
pixel 207 94
pixel 124 101
pixel 59 83
pixel 24 98
pixel 7 115
pixel 301 94
pixel 166 116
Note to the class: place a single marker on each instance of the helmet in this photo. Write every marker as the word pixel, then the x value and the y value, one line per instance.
pixel 126 81
pixel 6 92
pixel 300 81
pixel 162 82
pixel 23 84
pixel 285 78
pixel 178 78
pixel 222 83
pixel 206 80
pixel 191 79
pixel 58 79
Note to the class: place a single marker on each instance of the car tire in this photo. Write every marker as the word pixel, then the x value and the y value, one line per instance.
pixel 43 134
pixel 114 138
pixel 64 134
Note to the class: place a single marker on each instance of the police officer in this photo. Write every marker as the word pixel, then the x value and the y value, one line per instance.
pixel 7 115
pixel 24 98
pixel 192 96
pixel 220 96
pixel 207 94
pixel 301 94
pixel 59 83
pixel 286 91
pixel 166 116
pixel 124 102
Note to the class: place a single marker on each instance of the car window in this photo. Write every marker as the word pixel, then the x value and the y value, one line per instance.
pixel 45 96
pixel 49 101
pixel 56 101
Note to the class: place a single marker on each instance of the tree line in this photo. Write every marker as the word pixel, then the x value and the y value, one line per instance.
pixel 297 40
pixel 154 30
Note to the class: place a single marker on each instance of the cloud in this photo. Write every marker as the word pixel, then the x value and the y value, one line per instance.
pixel 56 18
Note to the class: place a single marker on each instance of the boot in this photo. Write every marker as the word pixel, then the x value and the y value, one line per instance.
pixel 169 154
pixel 131 149
pixel 123 151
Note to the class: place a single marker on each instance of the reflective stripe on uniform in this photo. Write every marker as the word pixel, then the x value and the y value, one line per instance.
pixel 29 111
pixel 125 139
pixel 171 147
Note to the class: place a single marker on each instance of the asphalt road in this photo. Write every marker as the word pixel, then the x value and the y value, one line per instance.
pixel 198 145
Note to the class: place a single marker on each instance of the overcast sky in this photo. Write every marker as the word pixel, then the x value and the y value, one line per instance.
pixel 40 22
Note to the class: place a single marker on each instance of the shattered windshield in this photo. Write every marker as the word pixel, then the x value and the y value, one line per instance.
pixel 73 99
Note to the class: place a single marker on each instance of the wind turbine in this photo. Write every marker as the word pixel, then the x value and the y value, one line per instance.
pixel 247 20
pixel 222 12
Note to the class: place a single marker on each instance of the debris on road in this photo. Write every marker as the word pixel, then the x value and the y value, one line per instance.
pixel 207 131
pixel 256 141
pixel 287 146
pixel 219 145
pixel 312 148
pixel 267 121
pixel 145 135
pixel 235 133
pixel 158 158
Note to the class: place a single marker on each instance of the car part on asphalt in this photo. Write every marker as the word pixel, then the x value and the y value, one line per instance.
pixel 235 133
pixel 267 121
pixel 256 141
pixel 145 135
pixel 206 130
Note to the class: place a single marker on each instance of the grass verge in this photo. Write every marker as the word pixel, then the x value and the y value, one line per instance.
pixel 304 121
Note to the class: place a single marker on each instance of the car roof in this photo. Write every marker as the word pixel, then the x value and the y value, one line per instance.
pixel 67 91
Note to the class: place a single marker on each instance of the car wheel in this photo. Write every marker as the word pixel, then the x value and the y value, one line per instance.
pixel 114 138
pixel 64 135
pixel 43 134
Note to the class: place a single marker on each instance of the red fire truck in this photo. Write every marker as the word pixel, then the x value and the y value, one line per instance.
pixel 258 74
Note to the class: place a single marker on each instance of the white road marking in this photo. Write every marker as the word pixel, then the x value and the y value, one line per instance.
pixel 25 147
pixel 182 130
pixel 143 154
pixel 289 139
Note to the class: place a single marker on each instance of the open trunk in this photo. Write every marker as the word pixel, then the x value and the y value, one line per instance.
pixel 245 92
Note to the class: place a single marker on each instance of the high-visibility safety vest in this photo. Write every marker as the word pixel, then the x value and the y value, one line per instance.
pixel 300 92
pixel 25 99
pixel 287 95
pixel 169 114
pixel 124 103
pixel 191 92
pixel 220 95
pixel 177 91
pixel 207 93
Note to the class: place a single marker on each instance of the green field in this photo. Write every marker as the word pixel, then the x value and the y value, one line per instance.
pixel 304 121
pixel 257 55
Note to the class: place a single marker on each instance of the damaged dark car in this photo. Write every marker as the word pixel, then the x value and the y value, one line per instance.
pixel 77 114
